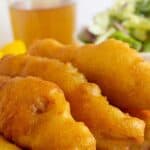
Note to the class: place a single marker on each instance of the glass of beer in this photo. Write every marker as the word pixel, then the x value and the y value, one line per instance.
pixel 37 19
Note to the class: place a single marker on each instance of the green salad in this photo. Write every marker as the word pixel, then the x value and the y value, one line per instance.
pixel 127 20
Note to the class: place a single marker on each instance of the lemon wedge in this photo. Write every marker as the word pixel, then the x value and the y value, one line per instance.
pixel 15 48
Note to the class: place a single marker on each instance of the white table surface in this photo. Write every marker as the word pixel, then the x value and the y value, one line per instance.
pixel 86 10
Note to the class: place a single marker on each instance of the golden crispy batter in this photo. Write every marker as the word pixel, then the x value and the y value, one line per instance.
pixel 122 74
pixel 5 145
pixel 108 124
pixel 144 115
pixel 35 115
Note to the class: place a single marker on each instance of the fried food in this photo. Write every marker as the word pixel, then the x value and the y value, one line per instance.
pixel 108 124
pixel 5 145
pixel 35 115
pixel 120 71
pixel 144 115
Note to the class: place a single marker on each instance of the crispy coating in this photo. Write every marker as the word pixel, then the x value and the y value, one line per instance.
pixel 5 145
pixel 35 115
pixel 122 74
pixel 108 124
pixel 144 115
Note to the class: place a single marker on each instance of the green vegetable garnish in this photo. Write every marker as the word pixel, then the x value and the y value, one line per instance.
pixel 131 41
pixel 146 46
pixel 127 20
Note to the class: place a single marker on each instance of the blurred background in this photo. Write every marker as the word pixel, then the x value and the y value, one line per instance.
pixel 76 21
pixel 86 9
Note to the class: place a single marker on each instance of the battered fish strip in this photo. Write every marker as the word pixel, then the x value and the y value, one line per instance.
pixel 144 115
pixel 35 115
pixel 5 145
pixel 108 124
pixel 120 71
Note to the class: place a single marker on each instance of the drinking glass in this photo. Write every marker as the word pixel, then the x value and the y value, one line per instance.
pixel 38 19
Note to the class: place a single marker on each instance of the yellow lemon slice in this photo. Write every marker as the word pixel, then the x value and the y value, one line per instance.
pixel 14 48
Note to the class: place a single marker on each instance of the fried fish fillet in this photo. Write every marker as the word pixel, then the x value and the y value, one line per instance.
pixel 5 145
pixel 35 115
pixel 111 128
pixel 120 71
pixel 144 115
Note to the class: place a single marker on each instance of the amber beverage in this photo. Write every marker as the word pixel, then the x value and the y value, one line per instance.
pixel 32 23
